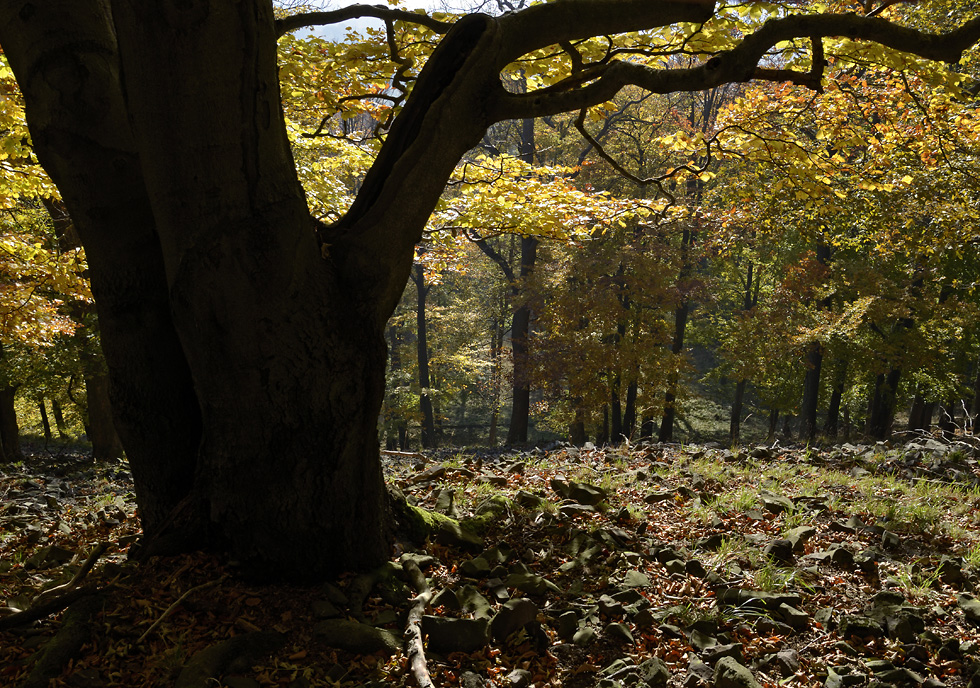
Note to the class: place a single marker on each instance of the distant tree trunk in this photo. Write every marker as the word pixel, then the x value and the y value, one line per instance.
pixel 814 362
pixel 425 400
pixel 735 424
pixel 519 332
pixel 811 392
pixel 615 413
pixel 836 395
pixel 629 412
pixel 59 419
pixel 920 414
pixel 603 434
pixel 773 424
pixel 496 377
pixel 881 412
pixel 647 427
pixel 9 430
pixel 45 423
pixel 975 405
pixel 677 347
pixel 947 417
pixel 750 296
pixel 576 430
pixel 101 430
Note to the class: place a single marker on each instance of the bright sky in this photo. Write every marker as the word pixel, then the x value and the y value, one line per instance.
pixel 337 31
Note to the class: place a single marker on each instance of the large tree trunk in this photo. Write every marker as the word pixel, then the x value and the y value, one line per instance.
pixel 811 391
pixel 519 333
pixel 735 422
pixel 836 396
pixel 246 357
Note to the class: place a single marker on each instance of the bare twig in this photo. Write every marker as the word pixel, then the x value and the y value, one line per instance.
pixel 171 608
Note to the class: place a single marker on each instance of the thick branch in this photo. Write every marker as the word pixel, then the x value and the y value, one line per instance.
pixel 492 254
pixel 741 63
pixel 552 23
pixel 299 21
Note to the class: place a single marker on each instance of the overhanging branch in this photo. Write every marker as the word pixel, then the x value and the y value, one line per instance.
pixel 388 14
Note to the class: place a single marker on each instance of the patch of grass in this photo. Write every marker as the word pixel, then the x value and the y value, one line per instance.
pixel 772 578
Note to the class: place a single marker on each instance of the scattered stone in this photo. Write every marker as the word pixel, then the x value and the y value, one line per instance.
pixel 636 579
pixel 584 636
pixel 676 566
pixel 531 583
pixel 890 540
pixel 352 636
pixel 713 654
pixel 796 619
pixel 730 674
pixel 861 626
pixel 567 625
pixel 518 678
pixel 445 634
pixel 324 609
pixel 970 606
pixel 787 661
pixel 618 631
pixel 446 598
pixel 654 673
pixel 780 551
pixel 512 617
pixel 712 542
pixel 799 536
pixel 775 503
pixel 472 680
pixel 529 501
pixel 470 600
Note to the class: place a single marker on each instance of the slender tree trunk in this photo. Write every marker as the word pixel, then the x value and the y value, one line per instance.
pixel 629 412
pixel 496 377
pixel 920 414
pixel 773 424
pixel 45 423
pixel 603 434
pixel 576 431
pixel 680 324
pixel 735 424
pixel 615 412
pixel 836 395
pixel 519 332
pixel 9 429
pixel 811 392
pixel 425 398
pixel 59 419
pixel 881 413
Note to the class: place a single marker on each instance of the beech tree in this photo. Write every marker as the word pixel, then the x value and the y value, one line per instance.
pixel 244 339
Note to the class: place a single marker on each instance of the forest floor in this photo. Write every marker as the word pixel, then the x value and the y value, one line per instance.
pixel 643 565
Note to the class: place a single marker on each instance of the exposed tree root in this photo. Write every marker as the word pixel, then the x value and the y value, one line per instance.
pixel 414 649
pixel 46 608
pixel 76 629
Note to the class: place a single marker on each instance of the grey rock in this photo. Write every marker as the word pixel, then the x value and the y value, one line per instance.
pixel 713 654
pixel 798 620
pixel 345 634
pixel 695 568
pixel 654 673
pixel 780 551
pixel 470 600
pixel 447 598
pixel 584 636
pixel 698 668
pixel 775 503
pixel 567 625
pixel 470 679
pixel 636 579
pixel 757 599
pixel 861 626
pixel 324 609
pixel 730 674
pixel 610 607
pixel 702 641
pixel 787 661
pixel 531 583
pixel 951 570
pixel 446 634
pixel 529 500
pixel 676 566
pixel 619 632
pixel 518 678
pixel 799 536
pixel 513 616
pixel 476 567
pixel 890 540
pixel 630 597
pixel 970 607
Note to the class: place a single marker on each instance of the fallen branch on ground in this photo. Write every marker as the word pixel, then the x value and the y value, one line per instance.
pixel 414 649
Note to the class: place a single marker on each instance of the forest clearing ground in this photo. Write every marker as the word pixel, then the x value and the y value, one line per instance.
pixel 808 567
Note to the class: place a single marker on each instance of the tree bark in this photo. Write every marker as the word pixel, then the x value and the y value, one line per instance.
pixel 881 413
pixel 836 395
pixel 45 423
pixel 59 419
pixel 101 431
pixel 9 429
